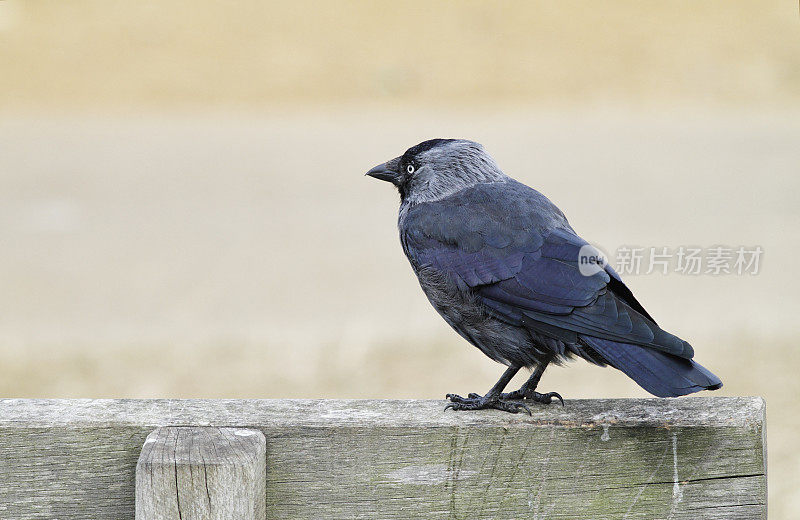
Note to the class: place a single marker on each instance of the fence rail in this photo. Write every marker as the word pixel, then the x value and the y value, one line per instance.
pixel 690 458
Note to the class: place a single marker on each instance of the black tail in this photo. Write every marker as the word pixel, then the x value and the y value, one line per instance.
pixel 663 375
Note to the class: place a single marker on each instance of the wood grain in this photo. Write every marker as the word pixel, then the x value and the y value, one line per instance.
pixel 201 473
pixel 687 458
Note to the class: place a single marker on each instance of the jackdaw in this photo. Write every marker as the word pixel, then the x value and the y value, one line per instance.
pixel 500 263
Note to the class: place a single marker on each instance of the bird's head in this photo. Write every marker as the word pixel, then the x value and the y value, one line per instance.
pixel 437 168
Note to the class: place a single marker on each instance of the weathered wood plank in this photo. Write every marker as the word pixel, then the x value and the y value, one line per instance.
pixel 202 472
pixel 690 458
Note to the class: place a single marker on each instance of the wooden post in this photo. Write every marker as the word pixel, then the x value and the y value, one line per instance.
pixel 202 473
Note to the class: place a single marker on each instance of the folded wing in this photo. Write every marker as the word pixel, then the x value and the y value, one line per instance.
pixel 507 246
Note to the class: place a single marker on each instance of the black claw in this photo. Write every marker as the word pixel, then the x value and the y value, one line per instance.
pixel 456 398
pixel 546 398
pixel 518 395
pixel 521 406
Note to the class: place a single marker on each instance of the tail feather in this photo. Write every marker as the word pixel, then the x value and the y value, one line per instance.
pixel 661 374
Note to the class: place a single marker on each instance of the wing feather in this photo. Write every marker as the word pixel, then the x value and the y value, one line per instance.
pixel 525 270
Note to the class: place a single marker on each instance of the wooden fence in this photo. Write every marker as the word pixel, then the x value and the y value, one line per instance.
pixel 690 458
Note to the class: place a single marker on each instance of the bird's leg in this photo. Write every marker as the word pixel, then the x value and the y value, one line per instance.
pixel 492 399
pixel 528 389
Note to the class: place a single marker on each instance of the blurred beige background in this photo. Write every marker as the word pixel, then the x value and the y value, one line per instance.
pixel 183 210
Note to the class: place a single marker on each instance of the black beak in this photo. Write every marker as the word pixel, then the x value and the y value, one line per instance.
pixel 388 171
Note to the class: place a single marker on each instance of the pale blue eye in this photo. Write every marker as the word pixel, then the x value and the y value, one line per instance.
pixel 410 168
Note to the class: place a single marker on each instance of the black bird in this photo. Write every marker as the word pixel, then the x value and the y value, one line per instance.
pixel 500 263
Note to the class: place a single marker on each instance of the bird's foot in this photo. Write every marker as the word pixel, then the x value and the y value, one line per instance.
pixel 532 396
pixel 482 402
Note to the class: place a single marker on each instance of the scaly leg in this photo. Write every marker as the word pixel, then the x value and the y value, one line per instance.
pixel 528 389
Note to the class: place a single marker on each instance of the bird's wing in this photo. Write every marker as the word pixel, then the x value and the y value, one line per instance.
pixel 525 273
